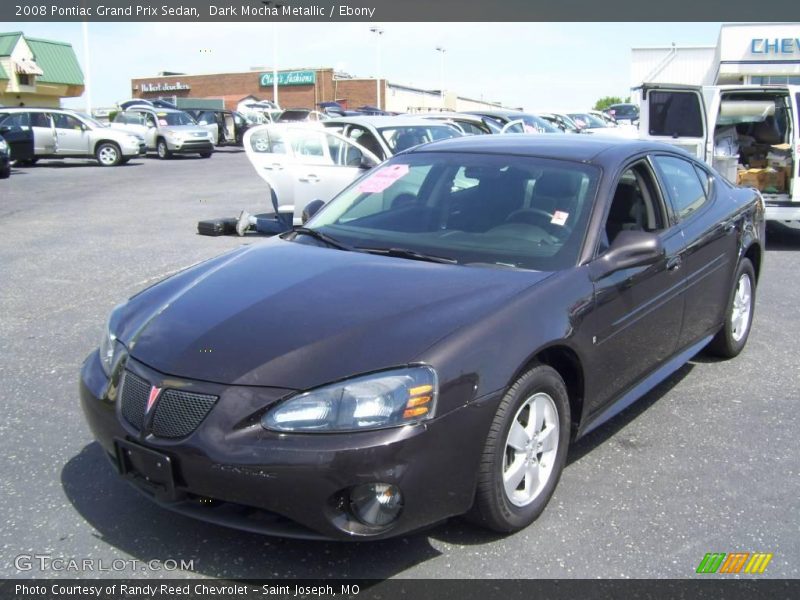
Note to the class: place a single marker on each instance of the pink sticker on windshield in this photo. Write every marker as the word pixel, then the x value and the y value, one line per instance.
pixel 382 179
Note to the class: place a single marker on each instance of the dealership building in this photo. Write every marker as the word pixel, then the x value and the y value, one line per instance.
pixel 297 88
pixel 745 53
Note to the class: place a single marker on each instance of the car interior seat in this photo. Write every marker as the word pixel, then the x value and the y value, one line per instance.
pixel 626 212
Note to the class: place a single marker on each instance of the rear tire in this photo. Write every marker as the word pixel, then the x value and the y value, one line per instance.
pixel 5 173
pixel 524 453
pixel 163 150
pixel 205 155
pixel 108 154
pixel 731 339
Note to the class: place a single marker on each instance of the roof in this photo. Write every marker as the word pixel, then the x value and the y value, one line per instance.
pixel 571 147
pixel 57 60
pixel 8 41
pixel 382 121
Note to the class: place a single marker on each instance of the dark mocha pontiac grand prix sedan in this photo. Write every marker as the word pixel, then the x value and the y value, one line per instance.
pixel 430 342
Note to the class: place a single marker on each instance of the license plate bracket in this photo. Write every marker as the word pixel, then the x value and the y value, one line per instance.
pixel 148 469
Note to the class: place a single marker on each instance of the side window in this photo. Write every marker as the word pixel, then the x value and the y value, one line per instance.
pixel 636 206
pixel 364 138
pixel 683 185
pixel 675 114
pixel 63 121
pixel 15 120
pixel 705 179
pixel 40 119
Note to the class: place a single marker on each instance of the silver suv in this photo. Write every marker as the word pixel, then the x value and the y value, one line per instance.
pixel 34 133
pixel 166 131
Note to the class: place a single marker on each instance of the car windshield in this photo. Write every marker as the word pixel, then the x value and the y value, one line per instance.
pixel 294 115
pixel 403 137
pixel 534 124
pixel 510 211
pixel 587 120
pixel 91 120
pixel 624 110
pixel 175 118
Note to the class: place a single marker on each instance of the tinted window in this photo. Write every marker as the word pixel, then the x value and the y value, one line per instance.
pixel 635 206
pixel 39 119
pixel 63 121
pixel 682 183
pixel 512 211
pixel 675 114
pixel 15 120
pixel 402 138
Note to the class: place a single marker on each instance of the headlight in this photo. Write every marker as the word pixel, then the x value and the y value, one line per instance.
pixel 386 399
pixel 110 348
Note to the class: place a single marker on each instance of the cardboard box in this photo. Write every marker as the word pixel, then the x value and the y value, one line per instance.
pixel 757 163
pixel 765 180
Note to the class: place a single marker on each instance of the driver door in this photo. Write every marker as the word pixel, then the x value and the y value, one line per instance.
pixel 304 163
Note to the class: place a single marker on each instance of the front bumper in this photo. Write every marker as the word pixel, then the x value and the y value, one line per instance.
pixel 189 146
pixel 233 472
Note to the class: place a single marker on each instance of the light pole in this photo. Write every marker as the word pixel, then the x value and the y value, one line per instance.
pixel 88 74
pixel 378 31
pixel 441 50
pixel 275 64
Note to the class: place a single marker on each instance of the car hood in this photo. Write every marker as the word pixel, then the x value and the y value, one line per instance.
pixel 296 316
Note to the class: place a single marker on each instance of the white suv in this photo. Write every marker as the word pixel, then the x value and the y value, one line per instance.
pixel 34 133
pixel 166 131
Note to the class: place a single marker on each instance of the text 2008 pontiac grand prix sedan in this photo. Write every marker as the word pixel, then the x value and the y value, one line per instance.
pixel 432 340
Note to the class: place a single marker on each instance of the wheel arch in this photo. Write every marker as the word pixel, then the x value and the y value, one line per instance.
pixel 754 253
pixel 567 363
pixel 100 142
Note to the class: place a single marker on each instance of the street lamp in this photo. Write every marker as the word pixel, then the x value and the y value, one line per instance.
pixel 378 31
pixel 441 50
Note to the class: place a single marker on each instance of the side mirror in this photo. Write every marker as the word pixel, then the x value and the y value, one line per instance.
pixel 311 209
pixel 202 122
pixel 630 249
pixel 4 129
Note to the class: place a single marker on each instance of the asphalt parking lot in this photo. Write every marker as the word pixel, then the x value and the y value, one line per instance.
pixel 707 462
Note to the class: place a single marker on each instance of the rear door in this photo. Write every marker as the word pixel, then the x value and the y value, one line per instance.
pixel 794 99
pixel 45 142
pixel 304 163
pixel 675 114
pixel 207 120
pixel 16 130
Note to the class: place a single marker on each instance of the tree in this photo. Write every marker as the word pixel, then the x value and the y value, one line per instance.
pixel 605 102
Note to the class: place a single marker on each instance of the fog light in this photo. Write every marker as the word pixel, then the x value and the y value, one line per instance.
pixel 376 504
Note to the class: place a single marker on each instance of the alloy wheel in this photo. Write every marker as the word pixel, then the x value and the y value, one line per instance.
pixel 530 451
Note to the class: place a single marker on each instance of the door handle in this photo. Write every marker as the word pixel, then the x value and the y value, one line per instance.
pixel 310 178
pixel 729 227
pixel 674 263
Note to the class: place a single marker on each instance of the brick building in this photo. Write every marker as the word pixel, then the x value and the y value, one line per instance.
pixel 298 88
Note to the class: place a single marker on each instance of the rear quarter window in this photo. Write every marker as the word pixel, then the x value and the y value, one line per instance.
pixel 675 114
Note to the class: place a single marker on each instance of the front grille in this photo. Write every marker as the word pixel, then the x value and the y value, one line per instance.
pixel 135 392
pixel 179 413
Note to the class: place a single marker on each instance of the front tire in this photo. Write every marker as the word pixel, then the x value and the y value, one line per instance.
pixel 205 155
pixel 731 339
pixel 5 173
pixel 162 149
pixel 524 453
pixel 108 154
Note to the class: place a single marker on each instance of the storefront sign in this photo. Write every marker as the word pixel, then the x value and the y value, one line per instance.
pixel 289 78
pixel 781 46
pixel 164 87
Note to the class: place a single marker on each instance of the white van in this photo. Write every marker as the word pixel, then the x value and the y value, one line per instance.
pixel 749 133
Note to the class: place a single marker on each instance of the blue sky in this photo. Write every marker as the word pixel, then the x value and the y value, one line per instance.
pixel 534 65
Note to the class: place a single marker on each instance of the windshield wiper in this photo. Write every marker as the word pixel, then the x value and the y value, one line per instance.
pixel 323 237
pixel 410 254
